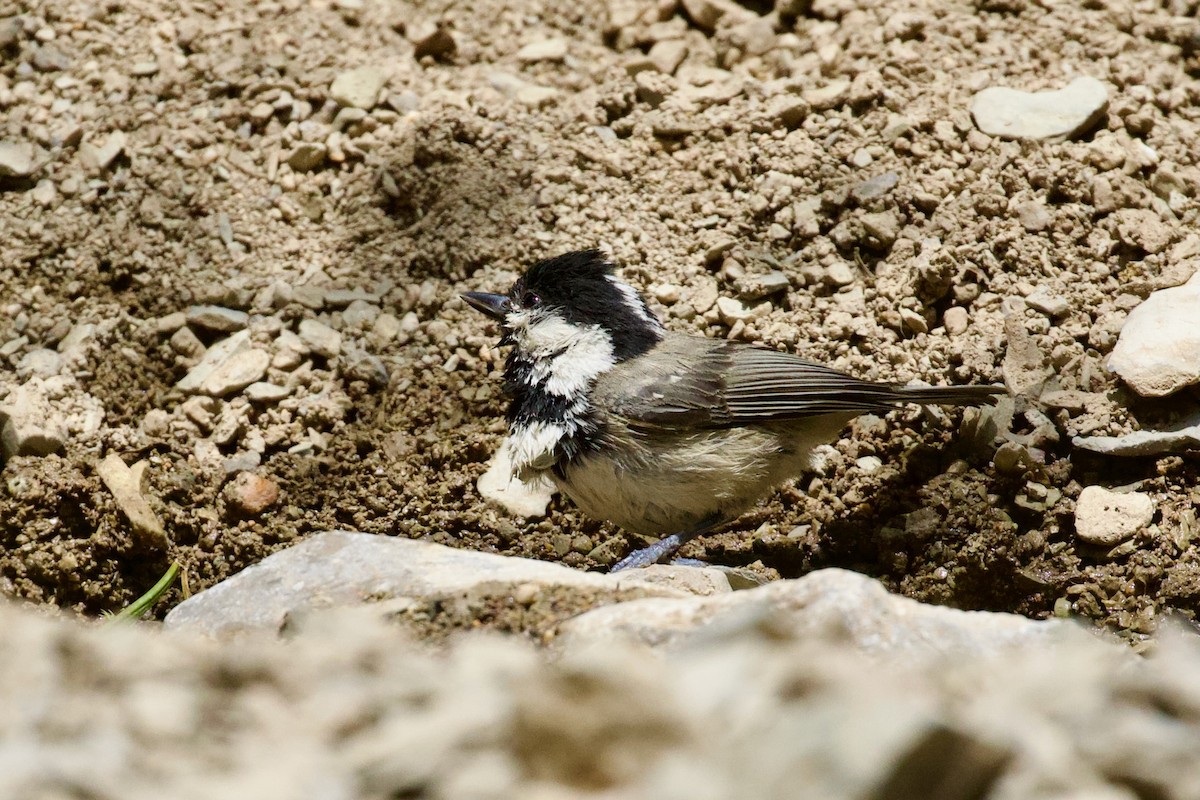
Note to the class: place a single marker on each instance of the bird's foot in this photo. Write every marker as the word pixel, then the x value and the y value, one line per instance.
pixel 662 549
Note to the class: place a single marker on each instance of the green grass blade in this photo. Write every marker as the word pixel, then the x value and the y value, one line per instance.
pixel 138 607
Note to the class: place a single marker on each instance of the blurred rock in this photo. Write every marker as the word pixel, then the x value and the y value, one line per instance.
pixel 545 50
pixel 320 338
pixel 430 39
pixel 307 156
pixel 97 158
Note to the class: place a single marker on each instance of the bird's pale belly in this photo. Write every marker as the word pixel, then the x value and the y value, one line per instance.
pixel 686 481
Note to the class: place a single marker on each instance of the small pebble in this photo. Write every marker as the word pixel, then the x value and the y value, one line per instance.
pixel 320 338
pixel 546 50
pixel 97 158
pixel 874 188
pixel 16 159
pixel 358 88
pixel 1054 305
pixel 263 392
pixel 237 372
pixel 956 320
pixel 217 318
pixel 251 494
pixel 186 343
pixel 1107 518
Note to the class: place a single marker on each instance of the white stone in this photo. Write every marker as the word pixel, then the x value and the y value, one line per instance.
pixel 358 88
pixel 262 392
pixel 545 50
pixel 100 157
pixel 1109 518
pixel 29 424
pixel 237 372
pixel 40 363
pixel 956 319
pixel 213 358
pixel 839 273
pixel 732 310
pixel 519 498
pixel 1158 351
pixel 16 159
pixel 217 318
pixel 320 338
pixel 1061 114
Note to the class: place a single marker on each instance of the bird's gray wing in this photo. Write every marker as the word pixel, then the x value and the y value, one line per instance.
pixel 724 384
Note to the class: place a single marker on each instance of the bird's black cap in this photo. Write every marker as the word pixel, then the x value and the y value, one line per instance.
pixel 580 287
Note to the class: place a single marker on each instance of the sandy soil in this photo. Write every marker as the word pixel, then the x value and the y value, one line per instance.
pixel 240 183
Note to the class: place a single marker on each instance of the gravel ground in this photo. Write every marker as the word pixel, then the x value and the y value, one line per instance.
pixel 234 234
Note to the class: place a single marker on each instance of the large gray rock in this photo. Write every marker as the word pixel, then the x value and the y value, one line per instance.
pixel 850 606
pixel 341 568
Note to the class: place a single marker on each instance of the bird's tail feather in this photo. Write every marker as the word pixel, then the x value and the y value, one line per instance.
pixel 951 395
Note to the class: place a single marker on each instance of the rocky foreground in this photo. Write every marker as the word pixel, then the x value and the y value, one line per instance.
pixel 664 684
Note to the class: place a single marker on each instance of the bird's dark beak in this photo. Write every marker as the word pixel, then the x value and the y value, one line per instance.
pixel 495 306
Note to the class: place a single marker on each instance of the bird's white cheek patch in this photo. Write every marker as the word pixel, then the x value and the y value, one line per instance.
pixel 566 358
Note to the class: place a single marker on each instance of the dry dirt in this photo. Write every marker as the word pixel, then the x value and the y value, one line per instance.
pixel 478 161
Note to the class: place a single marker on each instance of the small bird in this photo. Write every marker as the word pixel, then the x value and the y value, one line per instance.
pixel 662 433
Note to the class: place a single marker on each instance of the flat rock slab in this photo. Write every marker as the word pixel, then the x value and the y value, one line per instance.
pixel 1184 436
pixel 340 568
pixel 1158 351
pixel 852 607
pixel 1061 114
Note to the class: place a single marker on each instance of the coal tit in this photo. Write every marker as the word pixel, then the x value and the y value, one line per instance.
pixel 662 433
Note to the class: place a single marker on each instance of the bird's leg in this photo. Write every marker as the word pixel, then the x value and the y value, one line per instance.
pixel 665 547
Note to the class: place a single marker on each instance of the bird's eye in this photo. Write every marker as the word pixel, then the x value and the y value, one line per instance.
pixel 530 299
